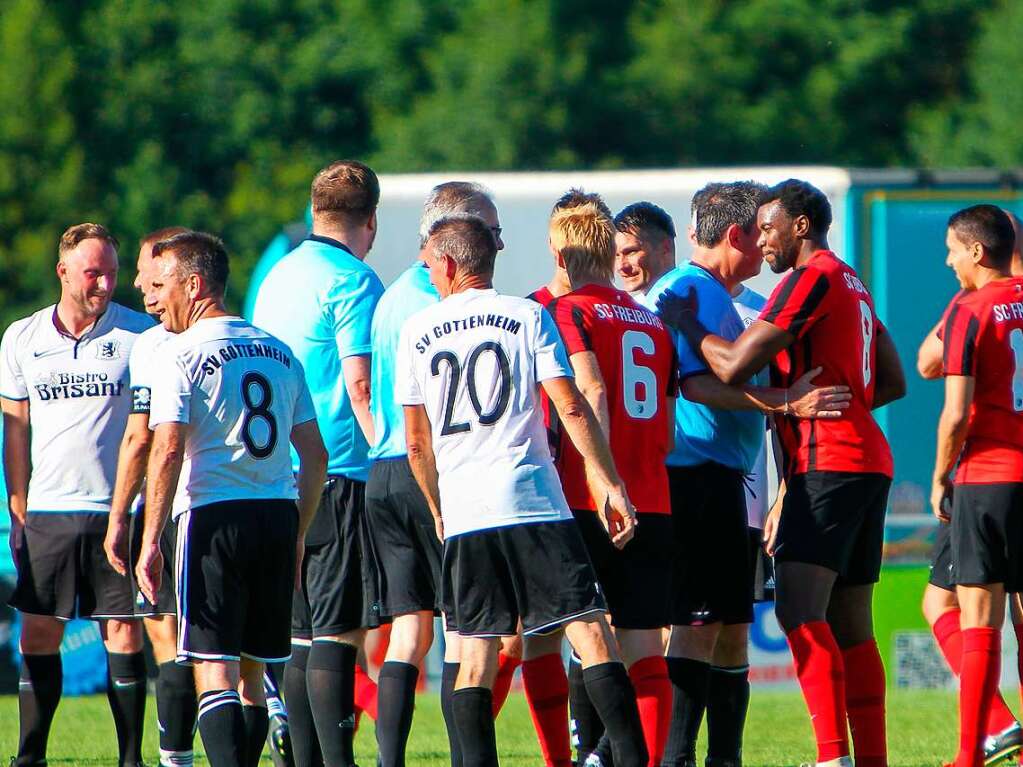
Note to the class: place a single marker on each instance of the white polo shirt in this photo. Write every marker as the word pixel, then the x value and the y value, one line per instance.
pixel 241 391
pixel 475 361
pixel 79 400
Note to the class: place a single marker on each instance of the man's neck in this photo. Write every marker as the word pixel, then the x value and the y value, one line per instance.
pixel 711 262
pixel 73 320
pixel 462 283
pixel 807 250
pixel 350 239
pixel 206 308
pixel 985 276
pixel 582 280
pixel 654 279
pixel 559 284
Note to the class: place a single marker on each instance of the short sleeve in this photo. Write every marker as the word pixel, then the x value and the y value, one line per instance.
pixel 12 381
pixel 139 372
pixel 795 304
pixel 407 390
pixel 689 363
pixel 349 304
pixel 304 409
pixel 171 393
pixel 573 326
pixel 960 342
pixel 550 360
pixel 944 315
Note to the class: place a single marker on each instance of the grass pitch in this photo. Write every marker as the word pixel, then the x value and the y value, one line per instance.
pixel 922 730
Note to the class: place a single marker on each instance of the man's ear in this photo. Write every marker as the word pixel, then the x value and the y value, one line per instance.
pixel 801 226
pixel 734 234
pixel 977 253
pixel 194 286
pixel 371 224
pixel 61 270
pixel 450 267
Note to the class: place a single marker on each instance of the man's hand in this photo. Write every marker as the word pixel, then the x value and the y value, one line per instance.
pixel 671 306
pixel 149 571
pixel 809 401
pixel 15 538
pixel 115 544
pixel 299 557
pixel 618 517
pixel 941 498
pixel 771 527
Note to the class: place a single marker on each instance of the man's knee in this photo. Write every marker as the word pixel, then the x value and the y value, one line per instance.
pixel 217 675
pixel 411 637
pixel 731 649
pixel 40 635
pixel 592 640
pixel 936 602
pixel 694 642
pixel 122 636
pixel 163 634
pixel 478 664
pixel 538 646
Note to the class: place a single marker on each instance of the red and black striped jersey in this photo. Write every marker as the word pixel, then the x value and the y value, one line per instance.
pixel 983 339
pixel 830 315
pixel 636 356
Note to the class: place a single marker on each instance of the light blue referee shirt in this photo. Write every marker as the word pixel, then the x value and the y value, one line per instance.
pixel 319 299
pixel 729 437
pixel 409 293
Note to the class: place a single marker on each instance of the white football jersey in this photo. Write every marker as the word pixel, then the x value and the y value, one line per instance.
pixel 475 361
pixel 748 304
pixel 141 364
pixel 78 403
pixel 241 391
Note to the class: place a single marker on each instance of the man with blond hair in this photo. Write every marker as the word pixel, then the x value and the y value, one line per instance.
pixel 66 400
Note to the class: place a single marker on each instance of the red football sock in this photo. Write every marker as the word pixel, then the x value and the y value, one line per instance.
pixel 1018 628
pixel 950 640
pixel 654 696
pixel 506 665
pixel 546 686
pixel 864 702
pixel 365 693
pixel 977 685
pixel 822 679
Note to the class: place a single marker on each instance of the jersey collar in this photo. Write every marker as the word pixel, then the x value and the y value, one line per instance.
pixel 92 330
pixel 332 242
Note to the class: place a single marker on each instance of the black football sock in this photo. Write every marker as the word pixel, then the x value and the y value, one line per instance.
pixel 126 693
pixel 176 708
pixel 396 700
pixel 305 746
pixel 447 689
pixel 690 680
pixel 257 724
pixel 612 694
pixel 38 695
pixel 727 703
pixel 585 722
pixel 473 711
pixel 330 678
pixel 222 728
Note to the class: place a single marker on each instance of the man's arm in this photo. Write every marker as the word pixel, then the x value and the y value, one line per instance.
pixel 928 358
pixel 590 382
pixel 583 429
pixel 890 383
pixel 419 441
pixel 131 470
pixel 17 464
pixel 162 471
pixel 356 372
pixel 952 427
pixel 312 472
pixel 802 399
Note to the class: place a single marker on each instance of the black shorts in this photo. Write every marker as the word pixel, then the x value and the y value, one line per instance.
pixel 339 576
pixel 712 577
pixel 835 520
pixel 166 603
pixel 987 535
pixel 941 559
pixel 636 580
pixel 408 553
pixel 763 567
pixel 536 573
pixel 235 580
pixel 63 571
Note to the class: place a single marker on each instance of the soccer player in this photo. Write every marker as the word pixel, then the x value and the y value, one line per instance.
pixel 829 536
pixel 719 437
pixel 644 246
pixel 559 285
pixel 469 371
pixel 940 605
pixel 319 299
pixel 226 400
pixel 623 358
pixel 65 396
pixel 980 435
pixel 397 513
pixel 175 686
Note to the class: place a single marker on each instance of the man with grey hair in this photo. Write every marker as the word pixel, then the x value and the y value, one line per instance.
pixel 398 518
pixel 513 555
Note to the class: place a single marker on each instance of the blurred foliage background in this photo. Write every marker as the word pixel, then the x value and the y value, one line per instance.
pixel 145 113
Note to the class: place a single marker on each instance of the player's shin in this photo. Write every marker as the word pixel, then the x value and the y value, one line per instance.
pixel 397 700
pixel 649 678
pixel 690 681
pixel 865 703
pixel 471 708
pixel 222 727
pixel 38 695
pixel 330 677
pixel 977 685
pixel 126 693
pixel 447 688
pixel 821 677
pixel 176 708
pixel 546 687
pixel 586 727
